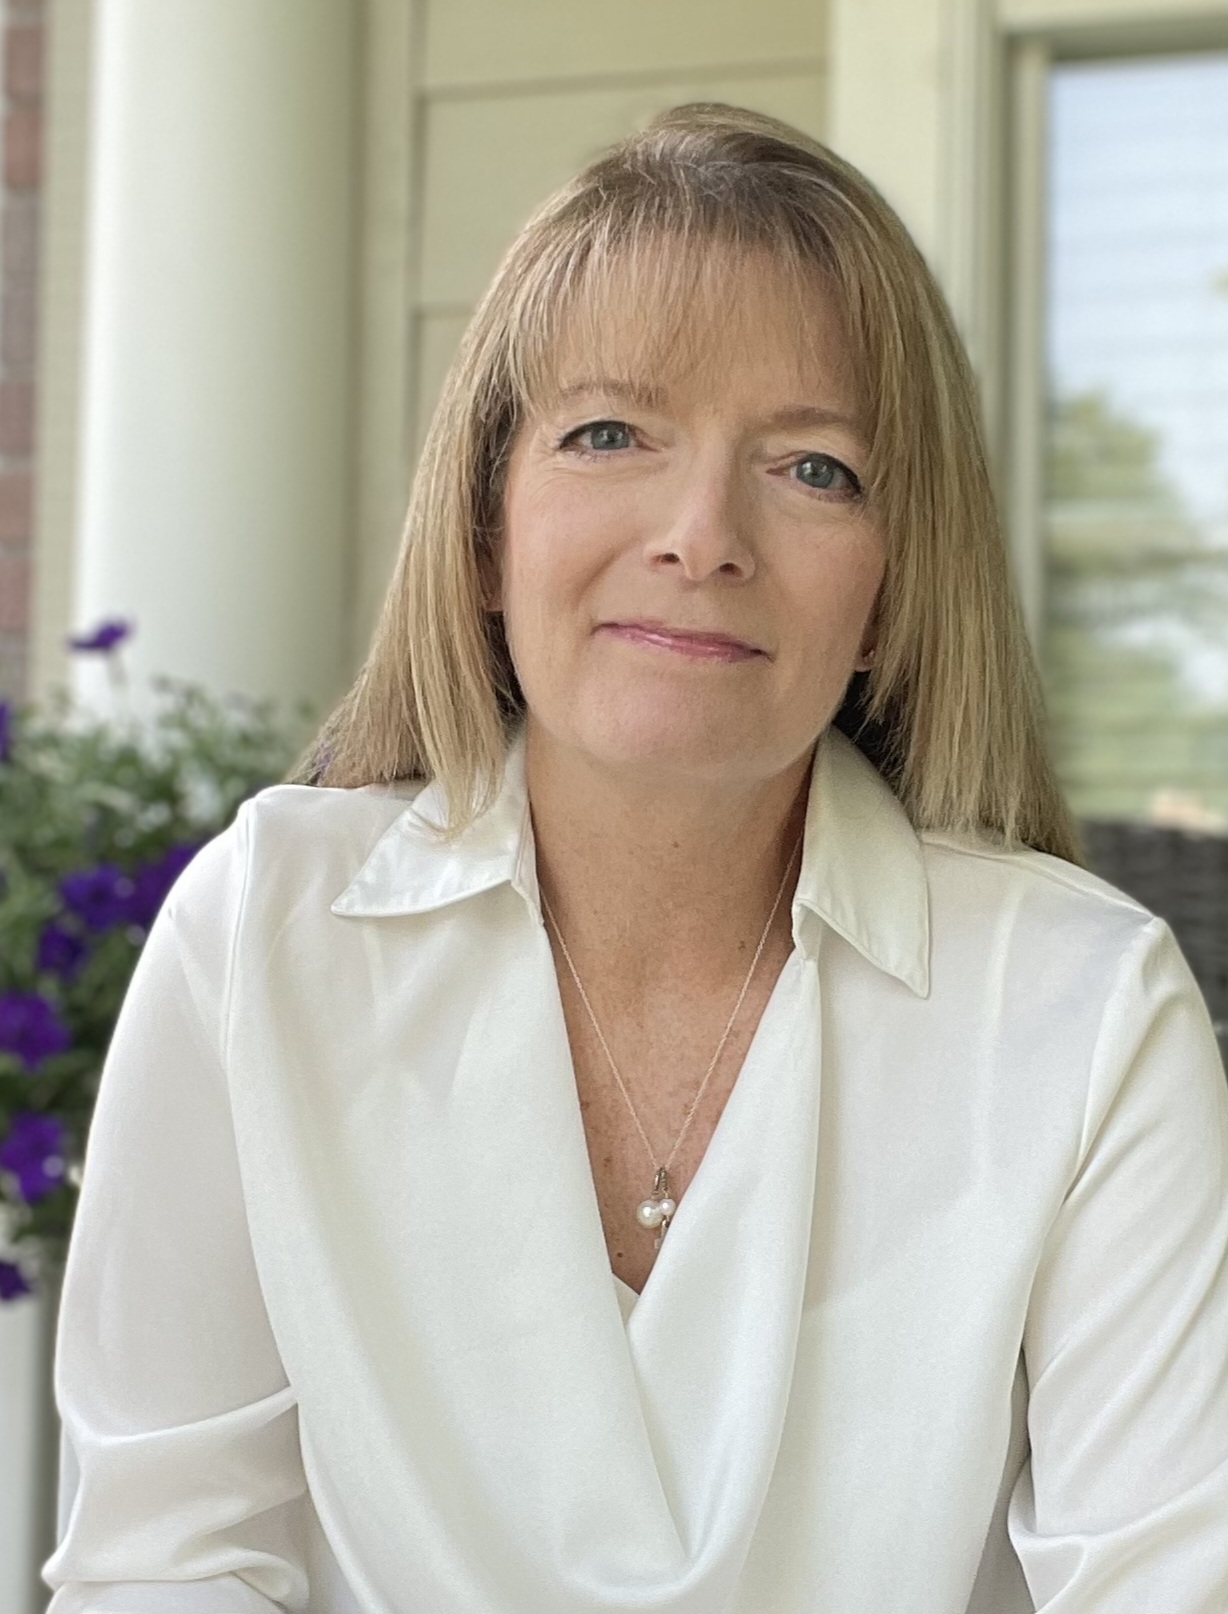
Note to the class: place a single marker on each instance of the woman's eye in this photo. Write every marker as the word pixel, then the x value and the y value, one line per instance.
pixel 823 472
pixel 604 435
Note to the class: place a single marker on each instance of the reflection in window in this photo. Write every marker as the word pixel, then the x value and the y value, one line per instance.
pixel 1136 498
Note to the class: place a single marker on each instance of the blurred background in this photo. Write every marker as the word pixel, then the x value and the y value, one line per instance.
pixel 239 240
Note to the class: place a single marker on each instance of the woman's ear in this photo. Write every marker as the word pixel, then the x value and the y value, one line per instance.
pixel 869 647
pixel 869 640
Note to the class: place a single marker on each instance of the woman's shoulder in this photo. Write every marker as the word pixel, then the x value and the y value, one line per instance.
pixel 317 837
pixel 311 810
pixel 288 847
pixel 1037 930
pixel 972 872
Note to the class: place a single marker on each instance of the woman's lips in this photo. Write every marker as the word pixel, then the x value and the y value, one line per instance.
pixel 696 646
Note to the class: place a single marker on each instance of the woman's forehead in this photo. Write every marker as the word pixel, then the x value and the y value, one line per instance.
pixel 665 328
pixel 658 330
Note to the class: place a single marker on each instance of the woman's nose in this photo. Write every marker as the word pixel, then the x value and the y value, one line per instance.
pixel 703 527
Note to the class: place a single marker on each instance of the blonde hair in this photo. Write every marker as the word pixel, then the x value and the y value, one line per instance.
pixel 951 711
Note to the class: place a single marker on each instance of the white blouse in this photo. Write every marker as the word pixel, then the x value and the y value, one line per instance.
pixel 941 1323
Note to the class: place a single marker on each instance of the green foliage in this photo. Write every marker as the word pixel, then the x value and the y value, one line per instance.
pixel 96 820
pixel 1137 602
pixel 1094 452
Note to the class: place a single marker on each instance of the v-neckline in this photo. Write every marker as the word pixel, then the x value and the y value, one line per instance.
pixel 513 1328
pixel 737 1100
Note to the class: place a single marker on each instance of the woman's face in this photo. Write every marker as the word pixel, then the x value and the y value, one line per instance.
pixel 724 501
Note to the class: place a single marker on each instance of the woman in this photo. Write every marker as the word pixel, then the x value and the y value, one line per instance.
pixel 655 1115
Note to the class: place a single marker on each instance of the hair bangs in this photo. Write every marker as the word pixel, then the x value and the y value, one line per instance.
pixel 674 264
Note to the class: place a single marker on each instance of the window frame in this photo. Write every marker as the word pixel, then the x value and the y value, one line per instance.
pixel 1034 35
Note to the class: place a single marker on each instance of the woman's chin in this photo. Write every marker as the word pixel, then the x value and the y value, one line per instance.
pixel 670 741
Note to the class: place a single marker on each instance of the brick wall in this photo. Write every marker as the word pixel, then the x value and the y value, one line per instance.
pixel 21 123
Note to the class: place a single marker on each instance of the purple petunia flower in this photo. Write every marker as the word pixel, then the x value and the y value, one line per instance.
pixel 30 1028
pixel 34 1152
pixel 6 730
pixel 59 951
pixel 12 1281
pixel 152 881
pixel 99 896
pixel 105 636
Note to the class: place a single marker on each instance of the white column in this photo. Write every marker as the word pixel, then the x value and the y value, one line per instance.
pixel 213 483
pixel 214 493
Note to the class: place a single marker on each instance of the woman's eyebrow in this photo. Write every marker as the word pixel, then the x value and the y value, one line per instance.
pixel 802 415
pixel 642 393
pixel 792 416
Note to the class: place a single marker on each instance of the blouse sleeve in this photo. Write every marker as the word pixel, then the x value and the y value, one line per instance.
pixel 178 1423
pixel 1122 1507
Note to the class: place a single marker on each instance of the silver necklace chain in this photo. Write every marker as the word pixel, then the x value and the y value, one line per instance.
pixel 657 1210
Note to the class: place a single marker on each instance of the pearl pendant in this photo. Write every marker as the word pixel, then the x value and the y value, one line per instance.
pixel 657 1210
pixel 652 1212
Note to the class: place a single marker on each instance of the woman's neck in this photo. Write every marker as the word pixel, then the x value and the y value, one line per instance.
pixel 656 877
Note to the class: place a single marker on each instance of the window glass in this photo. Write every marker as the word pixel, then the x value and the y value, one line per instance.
pixel 1135 650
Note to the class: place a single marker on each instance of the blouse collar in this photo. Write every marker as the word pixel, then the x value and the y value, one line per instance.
pixel 863 870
